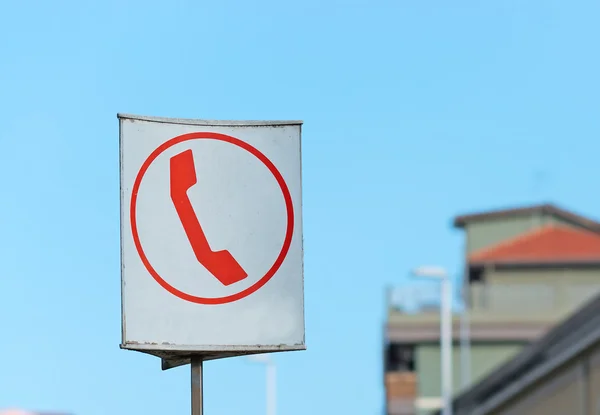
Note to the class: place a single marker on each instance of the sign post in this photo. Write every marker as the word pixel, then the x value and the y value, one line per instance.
pixel 211 240
pixel 197 392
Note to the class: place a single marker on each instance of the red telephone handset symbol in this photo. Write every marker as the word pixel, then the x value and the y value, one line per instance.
pixel 221 264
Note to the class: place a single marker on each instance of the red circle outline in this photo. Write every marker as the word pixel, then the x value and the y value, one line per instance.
pixel 286 196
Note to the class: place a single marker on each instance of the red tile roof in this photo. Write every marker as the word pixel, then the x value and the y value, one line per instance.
pixel 544 245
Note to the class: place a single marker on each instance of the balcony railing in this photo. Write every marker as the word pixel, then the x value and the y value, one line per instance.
pixel 414 298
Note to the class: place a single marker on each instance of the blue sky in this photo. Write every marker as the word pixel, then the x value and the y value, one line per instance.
pixel 414 112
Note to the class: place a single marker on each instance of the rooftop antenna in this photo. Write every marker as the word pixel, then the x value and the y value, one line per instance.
pixel 539 187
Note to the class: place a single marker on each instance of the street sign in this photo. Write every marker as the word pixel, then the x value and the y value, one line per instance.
pixel 211 238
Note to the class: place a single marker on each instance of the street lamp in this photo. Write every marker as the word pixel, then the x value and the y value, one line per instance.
pixel 440 274
pixel 271 380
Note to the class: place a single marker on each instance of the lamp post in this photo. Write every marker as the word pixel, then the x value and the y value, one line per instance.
pixel 440 274
pixel 271 380
pixel 465 337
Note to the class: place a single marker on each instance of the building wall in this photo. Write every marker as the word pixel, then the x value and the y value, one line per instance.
pixel 535 290
pixel 484 358
pixel 593 384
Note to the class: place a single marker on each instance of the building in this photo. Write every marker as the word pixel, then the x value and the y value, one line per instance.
pixel 526 269
pixel 558 374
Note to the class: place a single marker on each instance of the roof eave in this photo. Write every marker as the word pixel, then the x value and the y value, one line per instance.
pixel 462 220
pixel 535 263
pixel 534 355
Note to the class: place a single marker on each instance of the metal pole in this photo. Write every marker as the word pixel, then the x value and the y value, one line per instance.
pixel 446 344
pixel 465 339
pixel 271 388
pixel 197 398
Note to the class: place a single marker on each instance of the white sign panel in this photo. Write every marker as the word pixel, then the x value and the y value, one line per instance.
pixel 211 236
